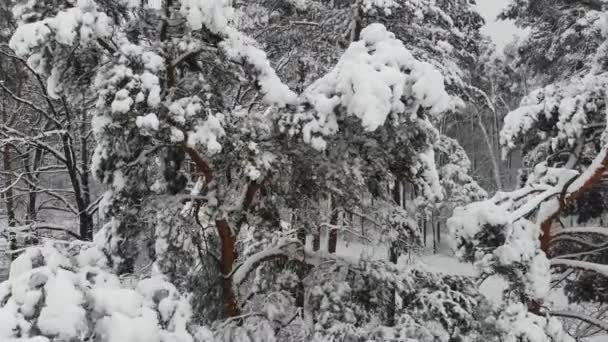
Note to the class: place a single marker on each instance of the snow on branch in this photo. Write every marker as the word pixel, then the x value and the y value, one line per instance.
pixel 280 251
pixel 589 177
pixel 567 101
pixel 582 317
pixel 581 265
pixel 46 226
pixel 370 81
pixel 582 230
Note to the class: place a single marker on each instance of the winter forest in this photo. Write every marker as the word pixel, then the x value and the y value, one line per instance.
pixel 303 170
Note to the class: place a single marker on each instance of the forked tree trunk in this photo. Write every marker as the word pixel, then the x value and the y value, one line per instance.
pixel 226 235
pixel 565 200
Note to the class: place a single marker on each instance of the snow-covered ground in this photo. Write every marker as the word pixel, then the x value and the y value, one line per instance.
pixel 442 262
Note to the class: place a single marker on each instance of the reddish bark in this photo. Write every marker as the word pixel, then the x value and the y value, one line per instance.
pixel 252 190
pixel 569 198
pixel 227 239
pixel 228 256
pixel 202 167
pixel 565 200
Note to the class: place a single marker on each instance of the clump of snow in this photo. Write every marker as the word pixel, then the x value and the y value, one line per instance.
pixel 431 187
pixel 371 80
pixel 150 83
pixel 252 172
pixel 147 123
pixel 29 36
pixel 385 6
pixel 215 15
pixel 519 325
pixel 62 314
pixel 53 84
pixel 177 136
pixel 219 17
pixel 79 24
pixel 241 47
pixel 82 298
pixel 208 133
pixel 318 143
pixel 567 103
pixel 185 108
pixel 122 102
pixel 468 221
pixel 152 61
pixel 482 232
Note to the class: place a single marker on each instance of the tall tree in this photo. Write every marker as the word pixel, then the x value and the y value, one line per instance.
pixel 203 150
pixel 560 128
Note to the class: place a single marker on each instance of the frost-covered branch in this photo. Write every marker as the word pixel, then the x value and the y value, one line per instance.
pixel 581 265
pixel 46 226
pixel 581 230
pixel 241 271
pixel 582 317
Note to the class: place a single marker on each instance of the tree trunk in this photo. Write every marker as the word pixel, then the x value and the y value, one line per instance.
pixel 316 240
pixel 84 176
pixel 332 240
pixel 227 258
pixel 434 235
pixel 393 256
pixel 8 194
pixel 357 21
pixel 85 219
pixel 424 231
pixel 392 294
pixel 301 231
pixel 438 232
pixel 495 162
pixel 9 200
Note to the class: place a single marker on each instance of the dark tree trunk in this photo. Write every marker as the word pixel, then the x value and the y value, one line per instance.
pixel 393 257
pixel 439 232
pixel 433 229
pixel 300 268
pixel 86 221
pixel 357 20
pixel 316 240
pixel 424 231
pixel 332 242
pixel 9 201
pixel 228 256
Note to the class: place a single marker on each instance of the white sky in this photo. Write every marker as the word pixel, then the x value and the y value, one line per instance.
pixel 501 31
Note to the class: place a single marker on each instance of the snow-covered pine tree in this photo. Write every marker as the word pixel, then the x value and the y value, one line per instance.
pixel 305 38
pixel 563 40
pixel 196 179
pixel 546 226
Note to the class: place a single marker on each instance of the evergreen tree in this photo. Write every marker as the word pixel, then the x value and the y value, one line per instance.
pixel 542 227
